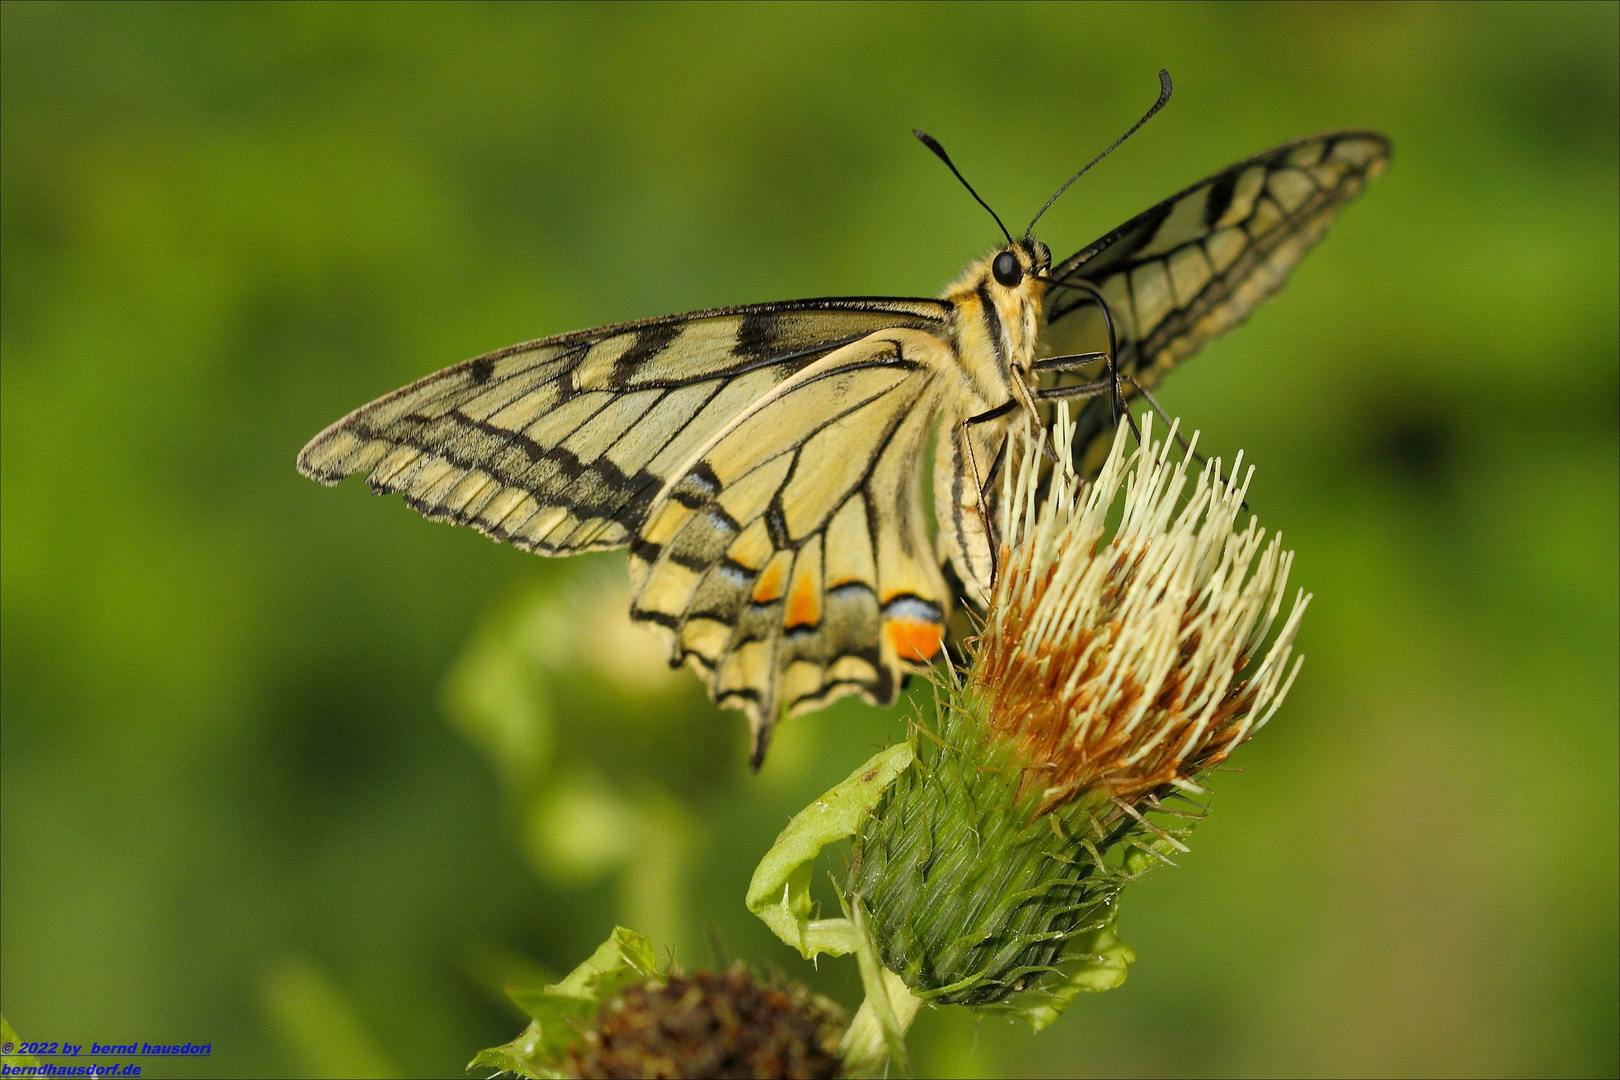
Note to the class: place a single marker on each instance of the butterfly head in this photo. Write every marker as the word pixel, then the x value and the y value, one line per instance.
pixel 1024 259
pixel 1011 282
pixel 1013 274
pixel 996 315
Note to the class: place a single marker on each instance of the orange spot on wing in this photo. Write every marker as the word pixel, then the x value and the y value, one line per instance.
pixel 804 605
pixel 768 589
pixel 916 640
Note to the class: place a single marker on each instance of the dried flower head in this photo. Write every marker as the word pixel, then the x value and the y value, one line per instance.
pixel 1119 666
pixel 729 1024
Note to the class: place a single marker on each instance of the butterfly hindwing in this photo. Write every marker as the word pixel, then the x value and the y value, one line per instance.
pixel 560 445
pixel 790 561
pixel 1196 264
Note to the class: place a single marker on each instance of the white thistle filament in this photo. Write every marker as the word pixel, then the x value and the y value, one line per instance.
pixel 1127 664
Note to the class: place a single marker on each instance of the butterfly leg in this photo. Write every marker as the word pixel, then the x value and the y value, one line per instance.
pixel 1153 403
pixel 1068 363
pixel 1078 390
pixel 1158 410
pixel 1001 454
pixel 1109 386
pixel 1181 440
pixel 1027 398
pixel 1116 398
pixel 1099 386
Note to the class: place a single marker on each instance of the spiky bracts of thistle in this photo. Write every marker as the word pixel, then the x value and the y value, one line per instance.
pixel 1114 667
pixel 726 1024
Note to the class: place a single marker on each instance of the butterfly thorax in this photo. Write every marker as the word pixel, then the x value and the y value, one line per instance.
pixel 993 328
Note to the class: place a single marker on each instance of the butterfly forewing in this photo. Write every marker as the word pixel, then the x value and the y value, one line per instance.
pixel 1196 264
pixel 560 445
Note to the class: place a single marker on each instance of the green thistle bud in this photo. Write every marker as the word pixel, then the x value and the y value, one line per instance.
pixel 970 892
pixel 1112 670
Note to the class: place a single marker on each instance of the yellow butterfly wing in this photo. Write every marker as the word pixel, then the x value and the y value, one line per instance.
pixel 560 445
pixel 790 561
pixel 1195 265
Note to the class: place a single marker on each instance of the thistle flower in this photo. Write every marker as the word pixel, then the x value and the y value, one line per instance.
pixel 1113 669
pixel 1119 669
pixel 1116 665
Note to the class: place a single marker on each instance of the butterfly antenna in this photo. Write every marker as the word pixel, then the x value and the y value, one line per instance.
pixel 939 152
pixel 1164 96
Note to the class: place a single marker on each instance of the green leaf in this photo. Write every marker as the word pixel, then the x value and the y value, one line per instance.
pixel 780 891
pixel 522 1056
pixel 625 957
pixel 560 1010
pixel 1096 960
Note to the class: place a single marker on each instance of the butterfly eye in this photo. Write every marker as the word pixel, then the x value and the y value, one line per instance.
pixel 1008 270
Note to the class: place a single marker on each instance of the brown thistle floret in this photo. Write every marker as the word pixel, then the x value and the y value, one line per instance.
pixel 712 1025
pixel 1121 666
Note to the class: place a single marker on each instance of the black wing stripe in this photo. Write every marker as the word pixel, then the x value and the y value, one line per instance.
pixel 780 534
pixel 448 438
pixel 1267 176
pixel 648 343
pixel 1220 198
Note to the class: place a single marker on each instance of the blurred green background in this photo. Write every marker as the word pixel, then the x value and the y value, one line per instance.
pixel 296 773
